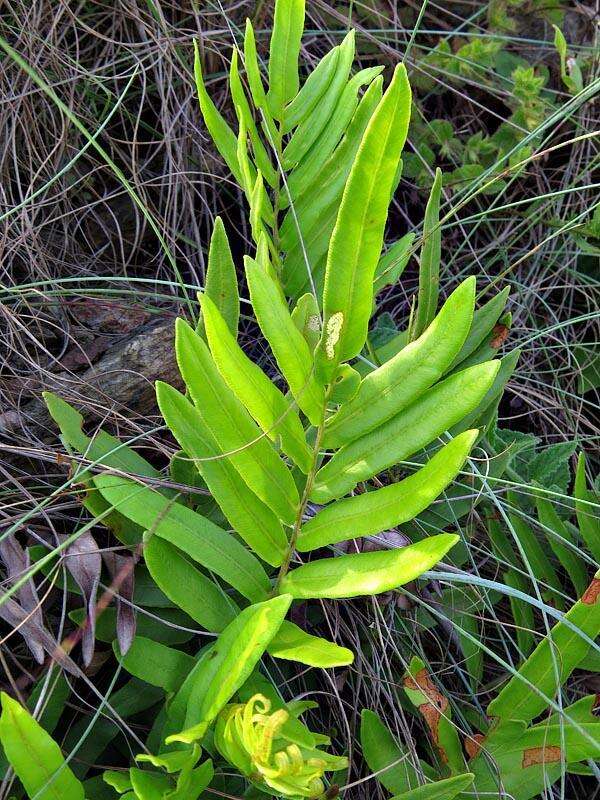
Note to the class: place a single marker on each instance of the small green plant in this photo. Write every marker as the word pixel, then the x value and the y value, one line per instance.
pixel 488 63
pixel 511 755
pixel 536 543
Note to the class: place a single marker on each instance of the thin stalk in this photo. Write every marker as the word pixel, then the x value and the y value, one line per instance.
pixel 310 478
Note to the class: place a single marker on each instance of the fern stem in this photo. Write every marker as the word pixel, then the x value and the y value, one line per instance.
pixel 310 478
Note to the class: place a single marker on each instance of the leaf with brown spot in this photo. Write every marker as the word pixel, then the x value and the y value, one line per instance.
pixel 435 710
pixel 473 744
pixel 528 693
pixel 591 594
pixel 499 335
pixel 529 760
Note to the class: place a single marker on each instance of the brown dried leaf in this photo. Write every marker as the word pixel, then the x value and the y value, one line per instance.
pixel 122 575
pixel 35 634
pixel 83 561
pixel 17 563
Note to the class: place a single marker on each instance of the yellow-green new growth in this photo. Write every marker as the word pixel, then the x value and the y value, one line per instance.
pixel 252 739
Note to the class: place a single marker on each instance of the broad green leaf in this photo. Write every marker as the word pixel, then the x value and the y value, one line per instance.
pixel 382 509
pixel 392 263
pixel 165 626
pixel 54 698
pixel 178 706
pixel 304 264
pixel 102 447
pixel 250 517
pixel 132 698
pixel 366 573
pixel 405 377
pixel 587 508
pixel 173 761
pixel 406 433
pixel 311 92
pixel 309 130
pixel 581 711
pixel 391 761
pixel 306 229
pixel 429 269
pixel 146 593
pixel 261 208
pixel 294 644
pixel 155 663
pixel 552 661
pixel 386 351
pixel 534 554
pixel 482 326
pixel 288 26
pixel 446 789
pixel 247 169
pixel 567 554
pixel 221 279
pixel 222 135
pixel 289 346
pixel 68 420
pixel 197 536
pixel 561 46
pixel 491 343
pixel 119 781
pixel 191 783
pixel 358 234
pixel 465 608
pixel 240 101
pixel 231 661
pixel 35 756
pixel 186 586
pixel 522 611
pixel 232 428
pixel 257 211
pixel 182 470
pixel 311 165
pixel 271 410
pixel 570 71
pixel 149 785
pixel 327 187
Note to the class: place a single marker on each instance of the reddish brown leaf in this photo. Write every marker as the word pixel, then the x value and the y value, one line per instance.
pixel 17 563
pixel 35 634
